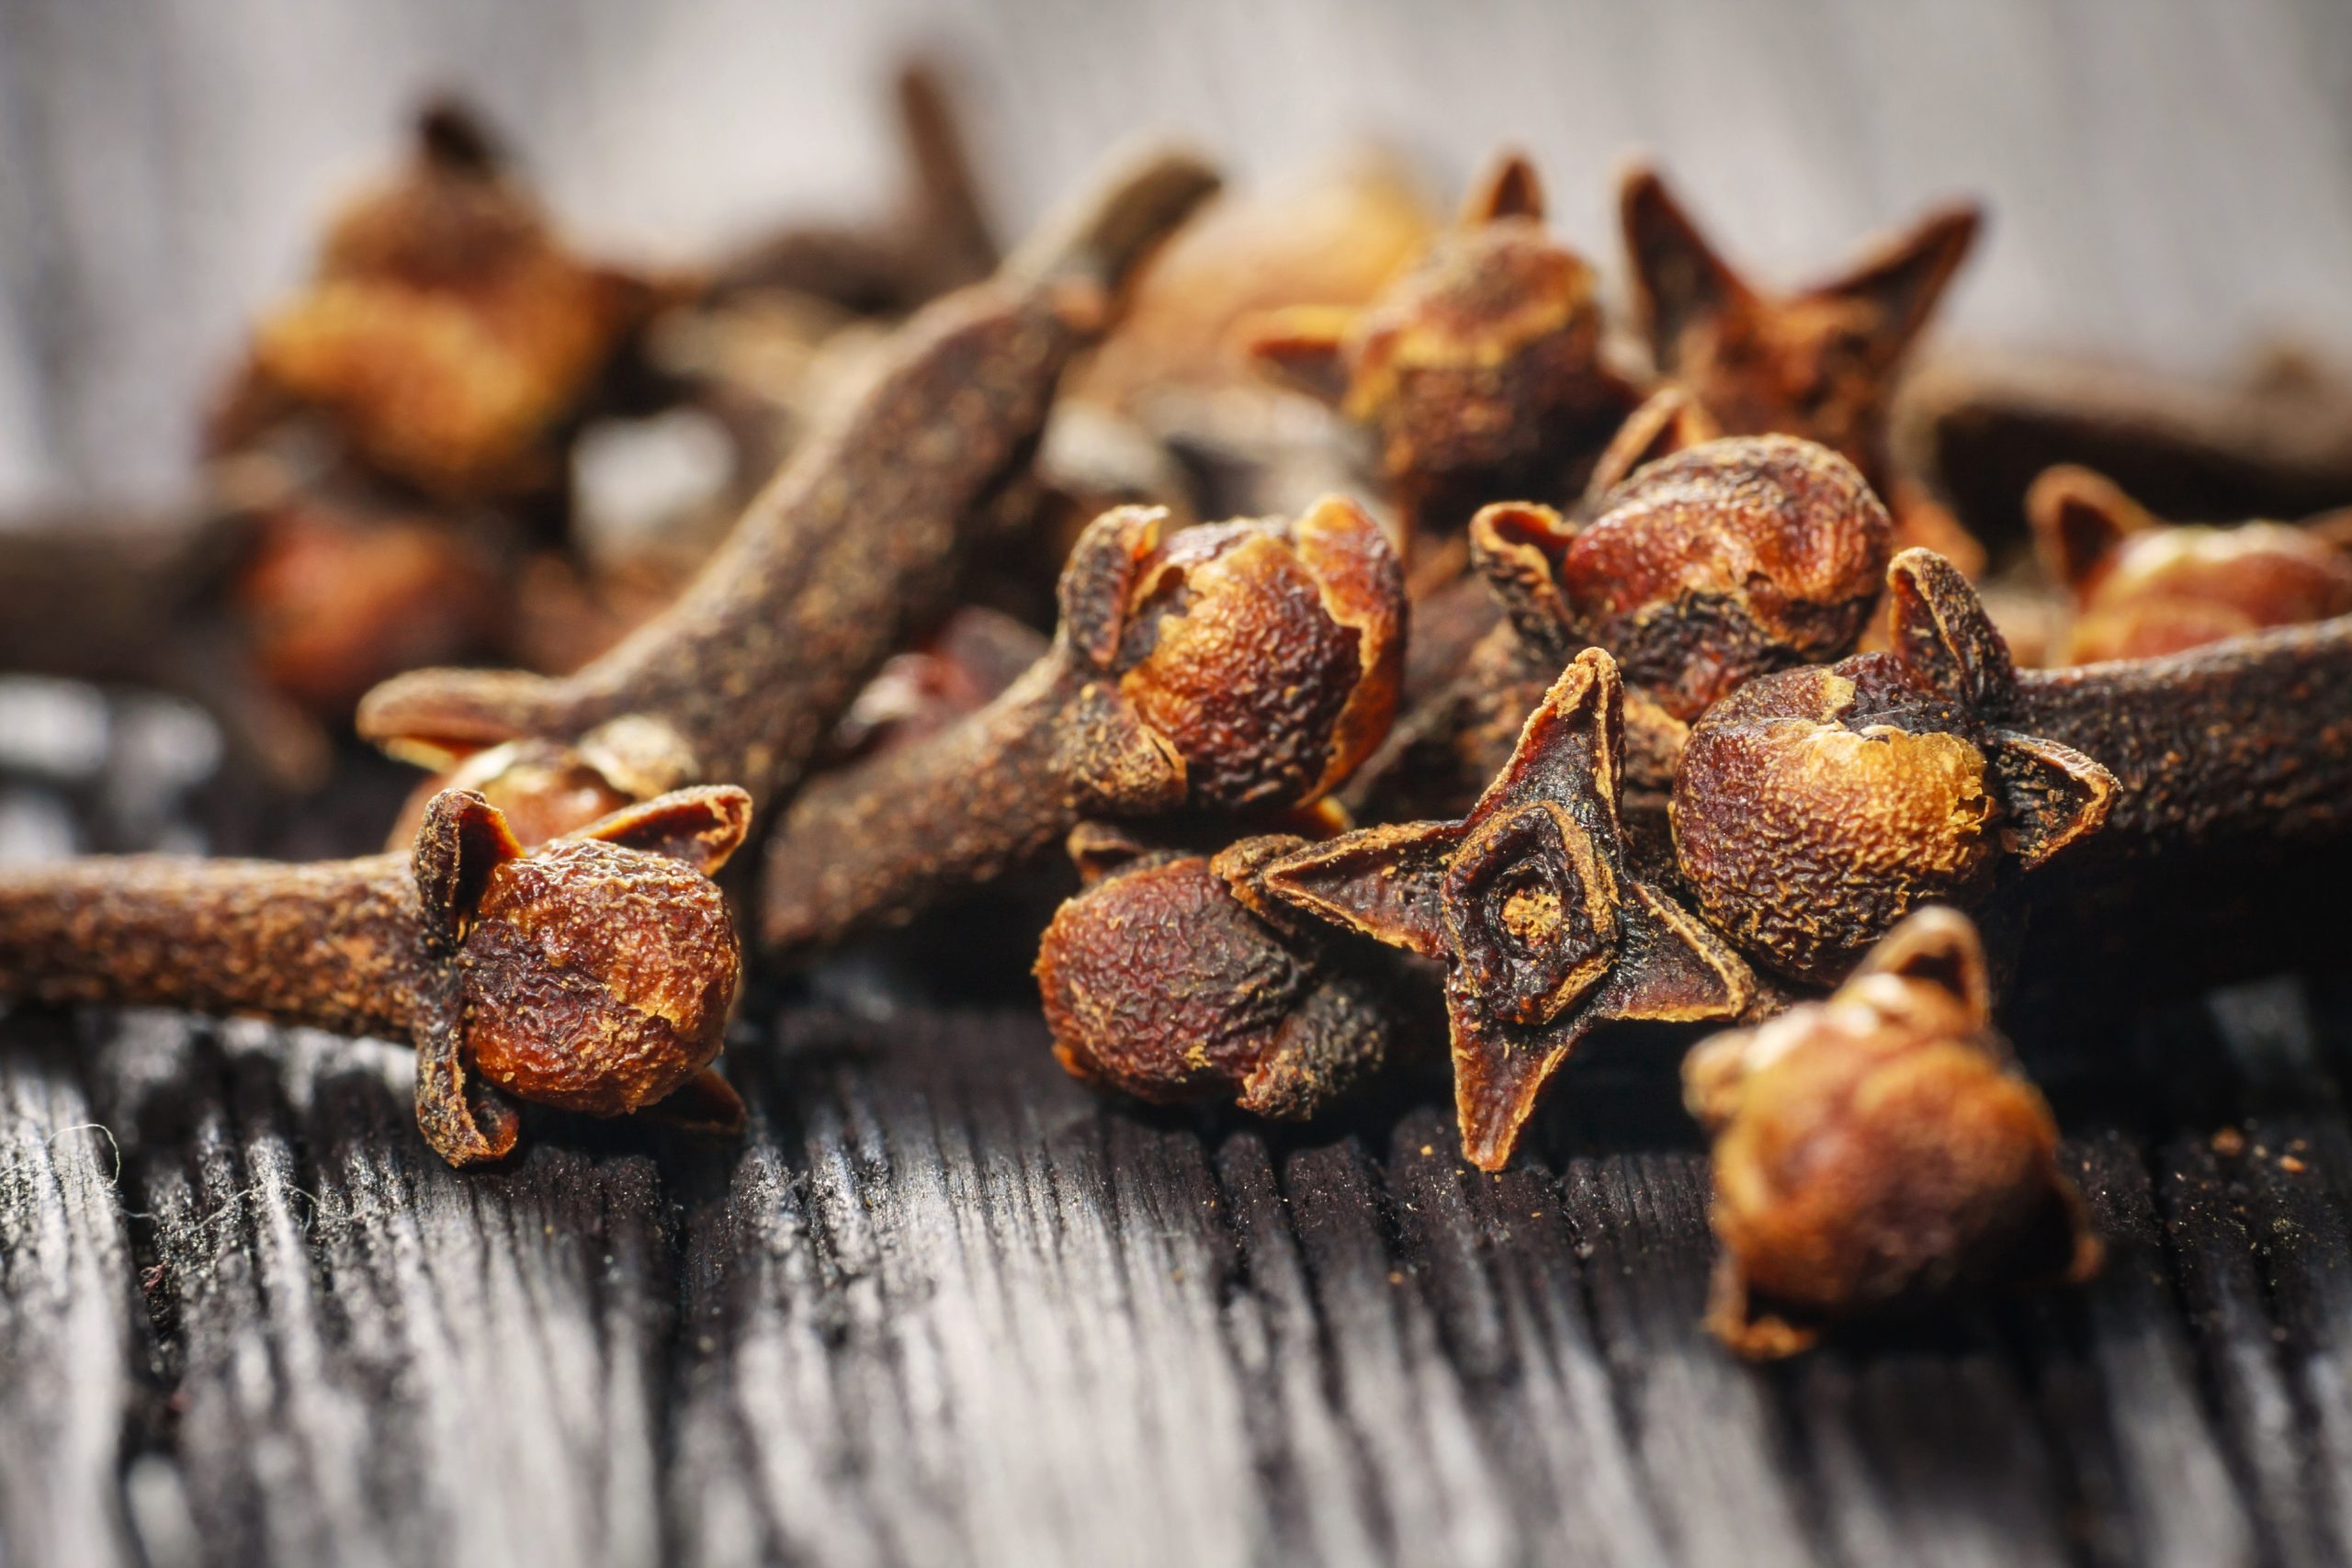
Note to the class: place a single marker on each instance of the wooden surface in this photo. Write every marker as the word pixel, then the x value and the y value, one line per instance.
pixel 941 1305
pixel 945 1306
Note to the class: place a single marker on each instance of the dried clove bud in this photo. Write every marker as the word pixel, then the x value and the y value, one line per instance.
pixel 1876 1153
pixel 1821 363
pixel 1478 371
pixel 593 972
pixel 1234 667
pixel 1706 569
pixel 1816 807
pixel 448 336
pixel 1175 978
pixel 1702 570
pixel 1545 927
pixel 1334 236
pixel 335 596
pixel 2143 588
pixel 852 547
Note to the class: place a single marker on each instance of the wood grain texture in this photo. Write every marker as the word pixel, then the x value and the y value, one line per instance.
pixel 943 1305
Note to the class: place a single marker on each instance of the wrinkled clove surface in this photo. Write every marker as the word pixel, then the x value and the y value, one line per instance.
pixel 1545 928
pixel 2143 588
pixel 1703 571
pixel 1478 371
pixel 1174 978
pixel 1877 1153
pixel 852 547
pixel 1816 807
pixel 593 972
pixel 1233 667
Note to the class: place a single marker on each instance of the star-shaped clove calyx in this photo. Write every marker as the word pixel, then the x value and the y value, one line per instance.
pixel 1545 929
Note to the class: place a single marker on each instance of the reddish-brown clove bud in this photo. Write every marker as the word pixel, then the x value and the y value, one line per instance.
pixel 1876 1153
pixel 1174 978
pixel 1478 371
pixel 1816 807
pixel 2143 588
pixel 1702 570
pixel 448 335
pixel 593 972
pixel 1234 667
pixel 1821 363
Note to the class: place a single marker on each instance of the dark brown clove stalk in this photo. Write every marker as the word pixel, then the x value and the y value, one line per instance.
pixel 1546 925
pixel 2275 442
pixel 1234 667
pixel 1821 363
pixel 1816 807
pixel 1876 1153
pixel 592 972
pixel 2143 588
pixel 1702 570
pixel 852 547
pixel 1479 372
pixel 1175 978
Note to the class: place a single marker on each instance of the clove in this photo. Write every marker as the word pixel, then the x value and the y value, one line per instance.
pixel 1479 372
pixel 1233 667
pixel 1877 1153
pixel 1175 978
pixel 1816 807
pixel 449 339
pixel 2141 588
pixel 592 972
pixel 1545 924
pixel 852 547
pixel 1821 363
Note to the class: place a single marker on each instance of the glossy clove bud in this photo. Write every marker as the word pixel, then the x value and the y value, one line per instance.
pixel 1877 1153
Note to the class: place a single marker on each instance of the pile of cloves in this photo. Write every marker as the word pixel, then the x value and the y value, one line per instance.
pixel 1587 675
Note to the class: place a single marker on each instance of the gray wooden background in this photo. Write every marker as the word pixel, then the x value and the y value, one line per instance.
pixel 2169 178
pixel 943 1305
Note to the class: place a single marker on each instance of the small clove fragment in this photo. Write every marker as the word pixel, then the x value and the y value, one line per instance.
pixel 1231 668
pixel 851 549
pixel 593 972
pixel 1175 978
pixel 2141 588
pixel 1876 1153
